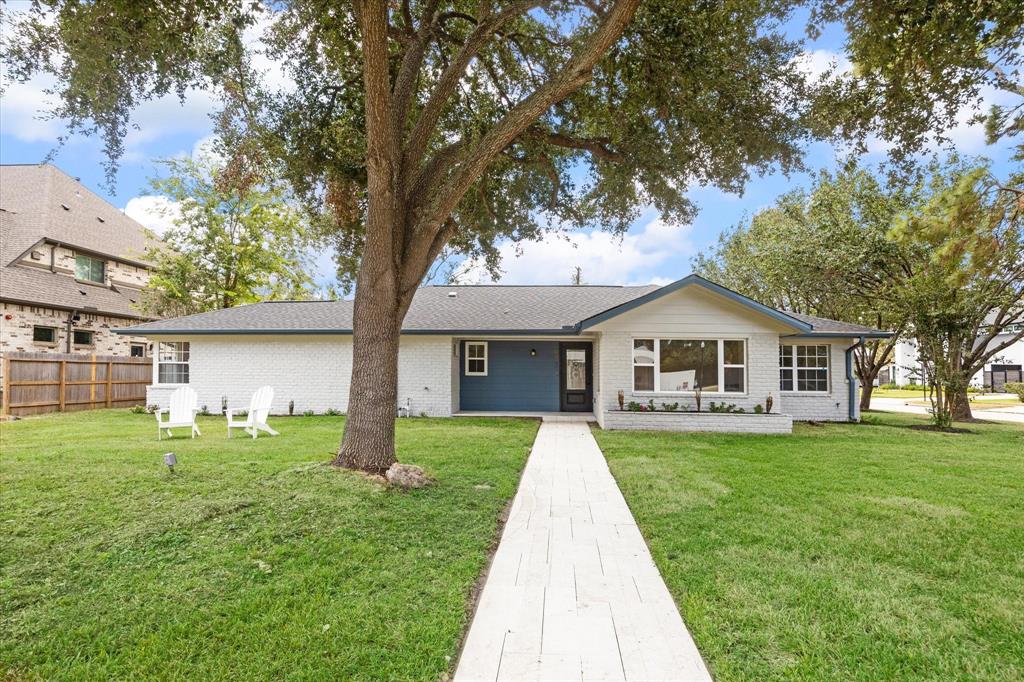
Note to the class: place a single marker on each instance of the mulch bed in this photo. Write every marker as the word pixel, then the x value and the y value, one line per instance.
pixel 940 429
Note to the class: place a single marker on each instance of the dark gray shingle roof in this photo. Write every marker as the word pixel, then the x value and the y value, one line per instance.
pixel 517 309
pixel 472 309
pixel 824 325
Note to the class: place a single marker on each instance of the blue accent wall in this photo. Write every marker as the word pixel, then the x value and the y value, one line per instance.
pixel 515 381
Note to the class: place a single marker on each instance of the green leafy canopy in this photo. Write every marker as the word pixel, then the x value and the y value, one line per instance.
pixel 228 246
pixel 687 92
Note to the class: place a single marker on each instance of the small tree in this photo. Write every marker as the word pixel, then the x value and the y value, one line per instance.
pixel 229 245
pixel 971 285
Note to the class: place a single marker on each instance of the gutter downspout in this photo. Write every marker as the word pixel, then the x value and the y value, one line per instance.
pixel 68 331
pixel 851 407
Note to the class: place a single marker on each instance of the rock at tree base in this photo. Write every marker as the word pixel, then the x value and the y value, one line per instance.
pixel 407 476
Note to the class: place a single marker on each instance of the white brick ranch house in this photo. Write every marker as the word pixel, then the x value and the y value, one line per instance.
pixel 531 349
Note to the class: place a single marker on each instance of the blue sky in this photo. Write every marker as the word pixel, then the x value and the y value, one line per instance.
pixel 650 252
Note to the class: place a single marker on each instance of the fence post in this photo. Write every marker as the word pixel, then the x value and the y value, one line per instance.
pixel 110 378
pixel 60 387
pixel 5 409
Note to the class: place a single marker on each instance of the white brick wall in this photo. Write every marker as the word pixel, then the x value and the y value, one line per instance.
pixel 425 374
pixel 312 371
pixel 823 407
pixel 615 369
pixel 715 423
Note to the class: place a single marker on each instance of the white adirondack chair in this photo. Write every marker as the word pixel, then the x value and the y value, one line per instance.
pixel 259 410
pixel 181 413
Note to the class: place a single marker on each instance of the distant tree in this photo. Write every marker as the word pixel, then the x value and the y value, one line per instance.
pixel 415 124
pixel 577 276
pixel 827 251
pixel 228 245
pixel 970 286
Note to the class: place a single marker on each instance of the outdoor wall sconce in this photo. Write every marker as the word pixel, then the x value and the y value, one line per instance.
pixel 533 352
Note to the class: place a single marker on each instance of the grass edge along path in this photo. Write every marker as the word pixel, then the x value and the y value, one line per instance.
pixel 840 552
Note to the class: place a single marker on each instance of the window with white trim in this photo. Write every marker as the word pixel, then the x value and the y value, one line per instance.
pixel 803 369
pixel 476 358
pixel 138 350
pixel 682 365
pixel 172 362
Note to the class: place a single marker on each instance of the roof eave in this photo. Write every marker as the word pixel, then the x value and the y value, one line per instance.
pixel 95 252
pixel 137 331
pixel 873 334
pixel 89 310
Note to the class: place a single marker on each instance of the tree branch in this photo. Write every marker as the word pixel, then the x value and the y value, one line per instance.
pixel 487 25
pixel 431 226
pixel 598 146
pixel 412 62
pixel 577 71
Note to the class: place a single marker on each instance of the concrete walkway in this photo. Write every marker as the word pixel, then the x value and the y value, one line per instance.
pixel 572 593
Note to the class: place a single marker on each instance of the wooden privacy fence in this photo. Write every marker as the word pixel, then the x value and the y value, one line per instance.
pixel 35 383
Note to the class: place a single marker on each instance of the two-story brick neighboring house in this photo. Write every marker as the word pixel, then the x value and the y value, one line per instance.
pixel 71 266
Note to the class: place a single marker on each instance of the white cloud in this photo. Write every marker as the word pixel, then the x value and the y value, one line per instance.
pixel 603 258
pixel 24 106
pixel 167 116
pixel 153 211
pixel 817 63
pixel 20 111
pixel 323 270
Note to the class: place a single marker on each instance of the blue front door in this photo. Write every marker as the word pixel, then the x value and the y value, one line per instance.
pixel 521 376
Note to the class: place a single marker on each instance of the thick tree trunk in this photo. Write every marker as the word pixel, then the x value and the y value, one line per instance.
pixel 960 406
pixel 369 441
pixel 865 395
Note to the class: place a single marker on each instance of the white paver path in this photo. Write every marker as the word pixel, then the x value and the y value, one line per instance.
pixel 572 593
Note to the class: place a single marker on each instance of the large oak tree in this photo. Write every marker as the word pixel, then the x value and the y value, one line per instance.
pixel 410 125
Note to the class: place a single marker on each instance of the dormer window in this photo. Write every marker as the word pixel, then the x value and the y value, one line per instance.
pixel 89 269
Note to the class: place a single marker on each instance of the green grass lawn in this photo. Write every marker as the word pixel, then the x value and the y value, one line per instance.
pixel 253 560
pixel 842 552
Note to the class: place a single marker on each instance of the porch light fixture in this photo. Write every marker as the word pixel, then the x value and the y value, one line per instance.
pixel 533 352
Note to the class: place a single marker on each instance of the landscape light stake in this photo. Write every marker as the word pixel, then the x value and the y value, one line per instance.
pixel 170 460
